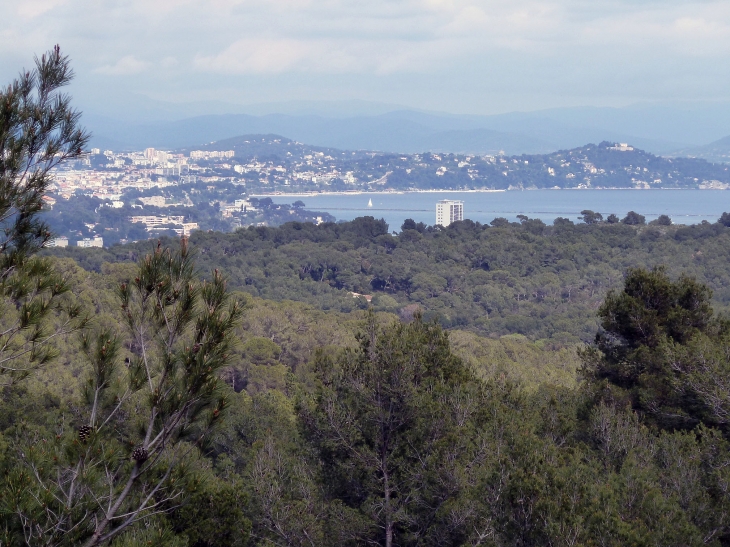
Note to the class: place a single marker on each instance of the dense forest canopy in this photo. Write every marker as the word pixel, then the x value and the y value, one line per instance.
pixel 544 282
pixel 491 442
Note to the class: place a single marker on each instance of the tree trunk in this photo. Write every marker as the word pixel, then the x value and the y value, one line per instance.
pixel 386 505
pixel 388 512
pixel 101 526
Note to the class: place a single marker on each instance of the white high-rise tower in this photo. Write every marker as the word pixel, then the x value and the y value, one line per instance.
pixel 448 211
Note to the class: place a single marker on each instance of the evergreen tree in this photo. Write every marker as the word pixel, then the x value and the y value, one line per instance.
pixel 590 217
pixel 662 351
pixel 633 218
pixel 38 131
pixel 141 424
pixel 393 422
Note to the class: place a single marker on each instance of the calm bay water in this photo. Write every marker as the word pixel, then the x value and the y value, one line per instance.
pixel 683 206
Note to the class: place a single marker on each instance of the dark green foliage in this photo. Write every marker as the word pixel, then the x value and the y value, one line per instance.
pixel 634 219
pixel 663 350
pixel 408 224
pixel 139 424
pixel 38 131
pixel 561 221
pixel 651 308
pixel 662 220
pixel 212 516
pixel 589 217
pixel 499 464
pixel 392 420
pixel 528 278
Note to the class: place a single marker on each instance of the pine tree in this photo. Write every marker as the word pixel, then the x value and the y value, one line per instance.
pixel 38 131
pixel 144 418
pixel 662 352
pixel 394 421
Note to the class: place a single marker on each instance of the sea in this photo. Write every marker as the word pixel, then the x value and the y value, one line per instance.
pixel 682 206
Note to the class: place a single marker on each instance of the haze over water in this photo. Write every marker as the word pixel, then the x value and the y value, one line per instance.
pixel 683 206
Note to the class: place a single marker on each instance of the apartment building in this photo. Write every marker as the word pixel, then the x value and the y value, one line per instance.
pixel 61 241
pixel 448 211
pixel 91 242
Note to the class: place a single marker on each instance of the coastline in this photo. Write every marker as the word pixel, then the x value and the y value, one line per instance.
pixel 684 207
pixel 479 191
pixel 363 192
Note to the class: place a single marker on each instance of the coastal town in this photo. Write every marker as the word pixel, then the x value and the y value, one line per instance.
pixel 112 197
pixel 162 192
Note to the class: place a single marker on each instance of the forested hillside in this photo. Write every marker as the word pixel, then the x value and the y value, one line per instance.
pixel 487 442
pixel 602 165
pixel 173 394
pixel 531 279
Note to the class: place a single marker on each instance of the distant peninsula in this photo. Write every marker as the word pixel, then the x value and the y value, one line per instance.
pixel 270 163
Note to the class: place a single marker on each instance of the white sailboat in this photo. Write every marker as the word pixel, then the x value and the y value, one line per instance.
pixel 370 203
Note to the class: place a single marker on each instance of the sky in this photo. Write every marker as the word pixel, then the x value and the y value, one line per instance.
pixel 461 56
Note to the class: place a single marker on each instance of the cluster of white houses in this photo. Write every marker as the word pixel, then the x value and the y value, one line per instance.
pixel 151 222
pixel 62 241
pixel 162 222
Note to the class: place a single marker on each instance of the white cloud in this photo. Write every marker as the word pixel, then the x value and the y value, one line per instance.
pixel 170 62
pixel 125 66
pixel 30 9
pixel 258 56
pixel 332 56
pixel 275 36
pixel 683 30
pixel 472 44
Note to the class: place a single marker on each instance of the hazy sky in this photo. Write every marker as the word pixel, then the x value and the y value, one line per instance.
pixel 466 56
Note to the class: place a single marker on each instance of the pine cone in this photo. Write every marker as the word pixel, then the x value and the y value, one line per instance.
pixel 139 454
pixel 84 433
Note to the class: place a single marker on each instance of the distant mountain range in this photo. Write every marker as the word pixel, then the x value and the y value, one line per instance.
pixel 716 152
pixel 359 125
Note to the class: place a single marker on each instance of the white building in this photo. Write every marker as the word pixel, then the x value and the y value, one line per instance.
pixel 157 220
pixel 622 147
pixel 154 201
pixel 244 205
pixel 205 154
pixel 95 242
pixel 448 211
pixel 61 241
pixel 188 227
